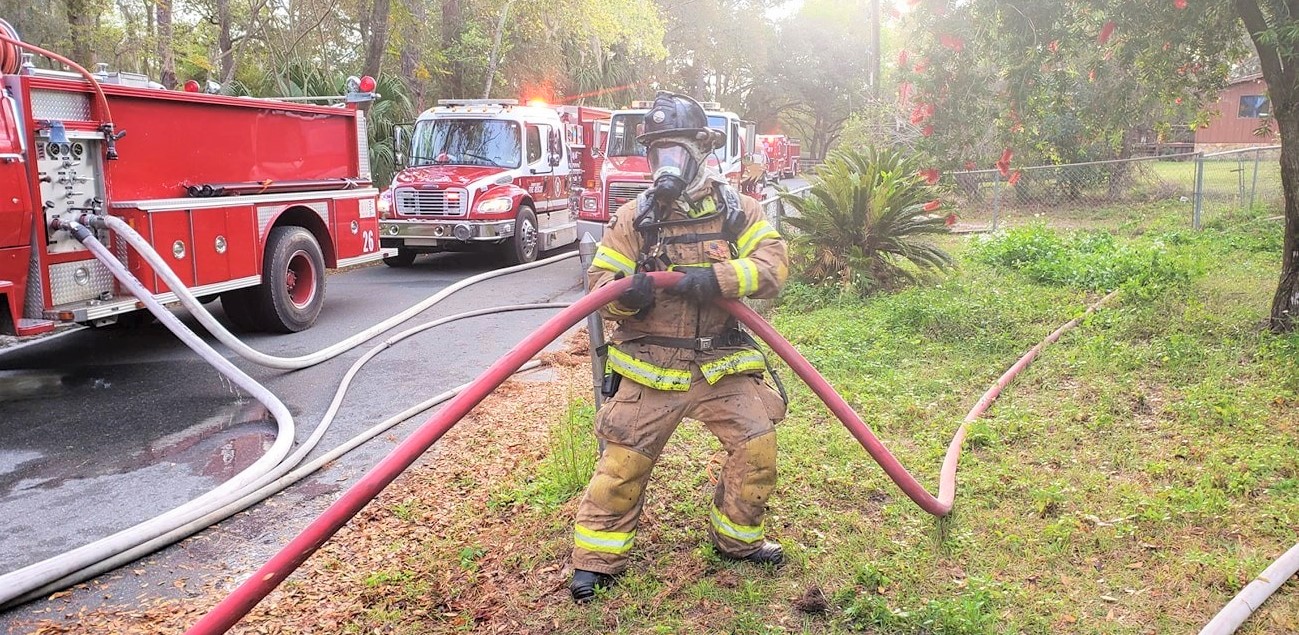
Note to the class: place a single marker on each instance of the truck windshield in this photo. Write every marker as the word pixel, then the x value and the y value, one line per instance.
pixel 491 142
pixel 624 128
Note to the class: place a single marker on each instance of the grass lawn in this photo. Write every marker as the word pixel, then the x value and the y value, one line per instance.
pixel 1132 480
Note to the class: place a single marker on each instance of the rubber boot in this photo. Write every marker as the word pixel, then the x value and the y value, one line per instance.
pixel 585 583
pixel 769 553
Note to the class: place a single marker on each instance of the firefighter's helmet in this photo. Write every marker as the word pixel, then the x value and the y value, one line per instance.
pixel 680 118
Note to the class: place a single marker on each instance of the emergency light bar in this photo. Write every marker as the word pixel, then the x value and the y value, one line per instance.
pixel 707 105
pixel 478 102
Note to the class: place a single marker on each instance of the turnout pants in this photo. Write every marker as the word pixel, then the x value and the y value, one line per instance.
pixel 635 425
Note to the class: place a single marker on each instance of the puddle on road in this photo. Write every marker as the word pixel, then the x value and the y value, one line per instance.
pixel 216 448
pixel 43 383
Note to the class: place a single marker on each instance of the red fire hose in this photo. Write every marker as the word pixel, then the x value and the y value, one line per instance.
pixel 277 569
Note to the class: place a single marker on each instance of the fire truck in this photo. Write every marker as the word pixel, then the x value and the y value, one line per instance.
pixel 781 154
pixel 624 172
pixel 489 174
pixel 249 200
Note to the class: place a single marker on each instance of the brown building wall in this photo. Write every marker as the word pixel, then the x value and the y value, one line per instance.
pixel 1228 129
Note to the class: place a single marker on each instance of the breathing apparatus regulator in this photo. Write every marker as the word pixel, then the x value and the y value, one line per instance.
pixel 679 140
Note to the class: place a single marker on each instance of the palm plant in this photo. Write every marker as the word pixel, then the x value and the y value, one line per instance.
pixel 861 226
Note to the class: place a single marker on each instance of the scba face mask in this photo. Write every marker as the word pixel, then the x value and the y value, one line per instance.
pixel 674 168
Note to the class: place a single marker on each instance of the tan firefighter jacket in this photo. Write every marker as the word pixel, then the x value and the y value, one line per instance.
pixel 750 260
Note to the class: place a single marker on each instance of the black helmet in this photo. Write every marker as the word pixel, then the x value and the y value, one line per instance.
pixel 679 116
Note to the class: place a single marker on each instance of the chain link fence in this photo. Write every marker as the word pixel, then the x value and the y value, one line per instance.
pixel 1203 186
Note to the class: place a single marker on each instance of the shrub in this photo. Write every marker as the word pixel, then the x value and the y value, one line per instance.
pixel 861 224
pixel 1093 260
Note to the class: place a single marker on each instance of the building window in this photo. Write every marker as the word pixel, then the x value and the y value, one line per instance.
pixel 1254 107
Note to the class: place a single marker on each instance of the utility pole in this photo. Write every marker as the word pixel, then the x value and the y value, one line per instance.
pixel 877 48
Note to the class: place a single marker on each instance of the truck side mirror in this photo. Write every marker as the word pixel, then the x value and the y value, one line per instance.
pixel 400 143
pixel 556 148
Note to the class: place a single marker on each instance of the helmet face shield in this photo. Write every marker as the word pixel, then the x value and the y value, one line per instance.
pixel 671 159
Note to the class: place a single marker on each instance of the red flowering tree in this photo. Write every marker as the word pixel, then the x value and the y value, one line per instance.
pixel 1048 78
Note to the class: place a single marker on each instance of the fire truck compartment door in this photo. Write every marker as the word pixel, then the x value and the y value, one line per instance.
pixel 225 244
pixel 15 204
pixel 173 238
pixel 355 227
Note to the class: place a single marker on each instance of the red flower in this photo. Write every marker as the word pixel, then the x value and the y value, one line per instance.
pixel 927 131
pixel 970 165
pixel 1106 31
pixel 951 219
pixel 1003 164
pixel 933 205
pixel 1180 4
pixel 1054 46
pixel 903 58
pixel 922 65
pixel 930 175
pixel 1014 177
pixel 1091 75
pixel 952 42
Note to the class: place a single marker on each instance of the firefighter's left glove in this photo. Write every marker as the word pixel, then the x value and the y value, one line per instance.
pixel 639 297
pixel 699 283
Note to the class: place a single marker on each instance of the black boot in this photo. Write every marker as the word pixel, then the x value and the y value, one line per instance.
pixel 769 553
pixel 585 583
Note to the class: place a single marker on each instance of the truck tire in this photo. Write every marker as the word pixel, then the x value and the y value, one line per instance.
pixel 242 306
pixel 404 258
pixel 293 281
pixel 526 243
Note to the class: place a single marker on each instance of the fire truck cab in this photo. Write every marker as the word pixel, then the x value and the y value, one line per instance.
pixel 245 199
pixel 488 174
pixel 625 170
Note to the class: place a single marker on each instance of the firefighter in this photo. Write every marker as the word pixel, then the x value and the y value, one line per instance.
pixel 676 354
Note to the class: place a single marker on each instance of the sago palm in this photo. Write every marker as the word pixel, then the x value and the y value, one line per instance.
pixel 862 224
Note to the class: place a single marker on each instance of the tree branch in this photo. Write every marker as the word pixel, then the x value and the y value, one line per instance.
pixel 1268 55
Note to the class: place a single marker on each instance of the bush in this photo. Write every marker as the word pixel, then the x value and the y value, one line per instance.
pixel 861 224
pixel 1092 260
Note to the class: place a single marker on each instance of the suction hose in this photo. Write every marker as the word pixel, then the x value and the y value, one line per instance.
pixel 281 565
pixel 160 266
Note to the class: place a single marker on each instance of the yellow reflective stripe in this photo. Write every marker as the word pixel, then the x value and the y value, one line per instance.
pixel 617 310
pixel 610 260
pixel 689 264
pixel 647 374
pixel 743 361
pixel 726 527
pixel 755 234
pixel 614 542
pixel 746 275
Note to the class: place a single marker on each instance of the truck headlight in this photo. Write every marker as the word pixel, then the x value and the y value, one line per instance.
pixel 385 206
pixel 589 204
pixel 495 205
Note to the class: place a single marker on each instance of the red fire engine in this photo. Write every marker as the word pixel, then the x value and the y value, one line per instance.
pixel 624 171
pixel 247 199
pixel 489 174
pixel 781 154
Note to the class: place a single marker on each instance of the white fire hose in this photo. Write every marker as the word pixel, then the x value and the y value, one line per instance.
pixel 160 266
pixel 249 486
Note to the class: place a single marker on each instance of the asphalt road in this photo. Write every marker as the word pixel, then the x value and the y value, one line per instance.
pixel 101 429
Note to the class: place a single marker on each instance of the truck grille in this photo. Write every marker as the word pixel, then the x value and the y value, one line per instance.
pixel 430 202
pixel 622 192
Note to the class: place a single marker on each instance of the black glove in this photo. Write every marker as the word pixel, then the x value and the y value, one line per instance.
pixel 639 296
pixel 699 283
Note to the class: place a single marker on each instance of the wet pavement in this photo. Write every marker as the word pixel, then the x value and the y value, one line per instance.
pixel 104 428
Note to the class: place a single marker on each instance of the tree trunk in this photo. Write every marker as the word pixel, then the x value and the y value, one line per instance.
pixel 409 59
pixel 167 77
pixel 225 42
pixel 80 20
pixel 495 58
pixel 452 24
pixel 378 43
pixel 1285 304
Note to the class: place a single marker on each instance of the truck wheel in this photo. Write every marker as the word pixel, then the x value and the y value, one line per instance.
pixel 293 281
pixel 404 258
pixel 527 240
pixel 242 306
